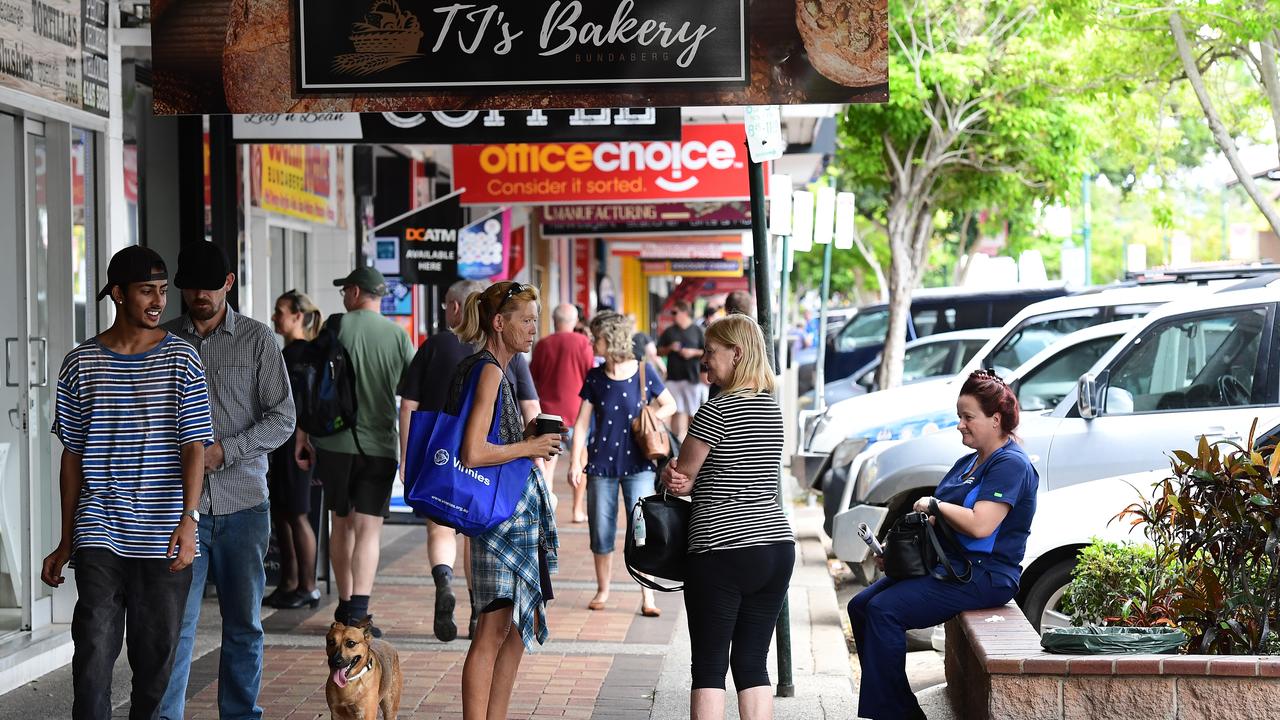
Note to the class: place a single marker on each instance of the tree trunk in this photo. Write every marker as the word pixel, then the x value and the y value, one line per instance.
pixel 910 229
pixel 1220 135
pixel 964 257
pixel 872 261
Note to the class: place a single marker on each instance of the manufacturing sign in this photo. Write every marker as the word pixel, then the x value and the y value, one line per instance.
pixel 305 56
pixel 708 163
pixel 686 218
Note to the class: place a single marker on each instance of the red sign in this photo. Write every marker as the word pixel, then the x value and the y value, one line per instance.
pixel 583 274
pixel 517 252
pixel 708 163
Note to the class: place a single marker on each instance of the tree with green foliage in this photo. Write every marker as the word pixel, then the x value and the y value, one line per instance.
pixel 977 120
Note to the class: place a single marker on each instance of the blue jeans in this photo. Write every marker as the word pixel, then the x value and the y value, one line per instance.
pixel 232 548
pixel 882 614
pixel 602 505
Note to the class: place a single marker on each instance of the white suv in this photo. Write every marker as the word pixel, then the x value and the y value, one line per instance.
pixel 1206 366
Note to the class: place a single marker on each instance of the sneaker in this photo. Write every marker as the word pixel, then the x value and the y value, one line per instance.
pixel 445 628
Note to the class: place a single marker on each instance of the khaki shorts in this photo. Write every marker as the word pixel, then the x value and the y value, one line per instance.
pixel 689 395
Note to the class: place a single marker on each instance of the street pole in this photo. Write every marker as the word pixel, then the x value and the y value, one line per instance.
pixel 784 349
pixel 1086 229
pixel 760 266
pixel 819 374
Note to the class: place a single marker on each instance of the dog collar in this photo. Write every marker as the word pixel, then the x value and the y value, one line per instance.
pixel 367 667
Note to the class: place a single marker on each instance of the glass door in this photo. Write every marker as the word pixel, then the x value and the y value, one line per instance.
pixel 14 544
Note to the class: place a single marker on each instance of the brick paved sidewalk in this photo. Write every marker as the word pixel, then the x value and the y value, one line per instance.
pixel 607 664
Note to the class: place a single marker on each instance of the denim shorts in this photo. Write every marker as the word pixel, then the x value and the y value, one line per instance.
pixel 602 505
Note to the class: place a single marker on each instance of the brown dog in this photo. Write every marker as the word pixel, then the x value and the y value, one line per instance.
pixel 364 674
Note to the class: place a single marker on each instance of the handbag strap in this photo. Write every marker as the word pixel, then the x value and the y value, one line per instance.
pixel 646 582
pixel 942 528
pixel 644 387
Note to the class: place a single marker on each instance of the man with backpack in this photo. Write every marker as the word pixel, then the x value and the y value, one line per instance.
pixel 253 414
pixel 357 465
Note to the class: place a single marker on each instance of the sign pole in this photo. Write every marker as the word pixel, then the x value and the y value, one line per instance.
pixel 784 352
pixel 819 375
pixel 760 236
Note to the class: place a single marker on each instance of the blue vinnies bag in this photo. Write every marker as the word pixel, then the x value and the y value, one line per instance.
pixel 469 500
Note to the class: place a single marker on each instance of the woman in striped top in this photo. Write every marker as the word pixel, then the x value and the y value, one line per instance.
pixel 741 548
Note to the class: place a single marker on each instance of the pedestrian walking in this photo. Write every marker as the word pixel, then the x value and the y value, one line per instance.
pixel 645 349
pixel 612 396
pixel 511 565
pixel 989 500
pixel 425 387
pixel 132 413
pixel 358 468
pixel 253 414
pixel 741 547
pixel 297 320
pixel 682 344
pixel 560 364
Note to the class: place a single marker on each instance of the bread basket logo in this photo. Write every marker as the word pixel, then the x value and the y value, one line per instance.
pixel 387 37
pixel 442 457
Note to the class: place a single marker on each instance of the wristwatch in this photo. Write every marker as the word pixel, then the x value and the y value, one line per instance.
pixel 193 514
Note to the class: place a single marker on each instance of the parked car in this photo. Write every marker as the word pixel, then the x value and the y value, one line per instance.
pixel 933 310
pixel 936 356
pixel 1030 331
pixel 1205 366
pixel 1040 385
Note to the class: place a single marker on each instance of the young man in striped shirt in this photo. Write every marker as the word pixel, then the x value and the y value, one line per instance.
pixel 133 418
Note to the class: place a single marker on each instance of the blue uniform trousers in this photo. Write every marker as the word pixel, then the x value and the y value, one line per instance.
pixel 881 616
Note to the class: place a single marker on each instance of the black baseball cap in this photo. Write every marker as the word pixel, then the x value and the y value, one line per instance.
pixel 365 278
pixel 134 264
pixel 202 266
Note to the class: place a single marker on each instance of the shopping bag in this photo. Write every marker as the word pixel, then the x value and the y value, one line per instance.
pixel 437 484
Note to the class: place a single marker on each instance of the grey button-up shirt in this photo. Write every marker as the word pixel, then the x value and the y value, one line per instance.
pixel 251 403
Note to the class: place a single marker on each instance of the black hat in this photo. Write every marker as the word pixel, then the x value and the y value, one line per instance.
pixel 134 264
pixel 202 265
pixel 365 278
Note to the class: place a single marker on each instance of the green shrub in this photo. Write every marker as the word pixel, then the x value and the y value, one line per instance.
pixel 1107 576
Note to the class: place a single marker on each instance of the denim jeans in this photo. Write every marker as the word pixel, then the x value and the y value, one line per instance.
pixel 602 505
pixel 231 551
pixel 114 593
pixel 880 617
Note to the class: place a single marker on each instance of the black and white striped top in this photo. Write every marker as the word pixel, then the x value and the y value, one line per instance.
pixel 735 494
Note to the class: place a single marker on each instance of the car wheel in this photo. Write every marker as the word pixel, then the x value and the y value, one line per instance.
pixel 1043 604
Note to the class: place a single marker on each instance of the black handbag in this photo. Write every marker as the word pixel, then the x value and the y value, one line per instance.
pixel 912 549
pixel 662 551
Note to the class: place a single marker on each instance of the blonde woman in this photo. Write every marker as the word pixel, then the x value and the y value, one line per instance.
pixel 296 319
pixel 611 398
pixel 511 565
pixel 741 548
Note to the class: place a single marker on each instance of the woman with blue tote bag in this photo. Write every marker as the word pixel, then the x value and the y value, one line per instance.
pixel 480 479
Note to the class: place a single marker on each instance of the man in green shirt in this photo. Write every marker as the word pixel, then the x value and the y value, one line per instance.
pixel 358 479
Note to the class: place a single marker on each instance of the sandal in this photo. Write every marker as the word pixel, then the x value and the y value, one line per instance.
pixel 596 605
pixel 651 612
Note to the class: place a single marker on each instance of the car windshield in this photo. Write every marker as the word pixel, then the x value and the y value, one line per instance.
pixel 864 329
pixel 1045 386
pixel 1037 333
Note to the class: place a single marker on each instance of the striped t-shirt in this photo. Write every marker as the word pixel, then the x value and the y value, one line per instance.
pixel 127 417
pixel 735 494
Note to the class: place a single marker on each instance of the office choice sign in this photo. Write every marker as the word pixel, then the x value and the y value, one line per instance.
pixel 708 163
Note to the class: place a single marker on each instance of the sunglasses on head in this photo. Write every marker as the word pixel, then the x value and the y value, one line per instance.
pixel 513 290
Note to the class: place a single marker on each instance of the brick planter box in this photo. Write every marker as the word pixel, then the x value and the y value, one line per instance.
pixel 996 670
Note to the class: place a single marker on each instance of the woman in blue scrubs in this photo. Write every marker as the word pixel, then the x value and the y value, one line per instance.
pixel 989 498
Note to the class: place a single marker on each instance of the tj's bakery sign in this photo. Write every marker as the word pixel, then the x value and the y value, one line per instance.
pixel 708 163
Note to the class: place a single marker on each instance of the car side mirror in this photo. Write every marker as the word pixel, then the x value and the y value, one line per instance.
pixel 1087 396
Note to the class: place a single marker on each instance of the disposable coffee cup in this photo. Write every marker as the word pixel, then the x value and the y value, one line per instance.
pixel 547 424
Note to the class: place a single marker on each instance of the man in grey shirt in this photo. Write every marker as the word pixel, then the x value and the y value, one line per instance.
pixel 253 414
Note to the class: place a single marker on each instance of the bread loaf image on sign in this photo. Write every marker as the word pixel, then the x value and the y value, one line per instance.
pixel 846 40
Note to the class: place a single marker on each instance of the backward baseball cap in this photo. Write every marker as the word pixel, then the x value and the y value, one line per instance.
pixel 365 278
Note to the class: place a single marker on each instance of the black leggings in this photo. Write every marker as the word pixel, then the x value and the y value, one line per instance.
pixel 733 598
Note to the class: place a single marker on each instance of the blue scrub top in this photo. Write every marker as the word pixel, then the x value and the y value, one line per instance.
pixel 1006 477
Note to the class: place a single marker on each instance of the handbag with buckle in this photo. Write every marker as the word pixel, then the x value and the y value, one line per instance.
pixel 657 540
pixel 912 549
pixel 649 433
